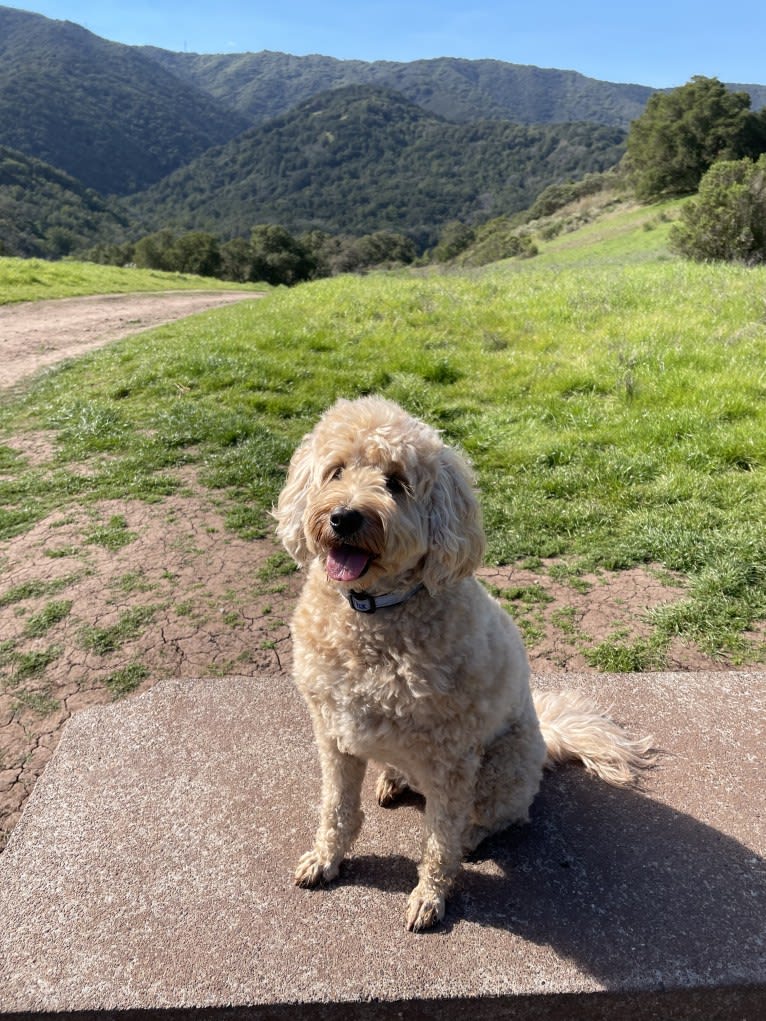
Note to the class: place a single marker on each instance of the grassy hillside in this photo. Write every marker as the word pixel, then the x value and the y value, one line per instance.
pixel 614 407
pixel 603 230
pixel 34 279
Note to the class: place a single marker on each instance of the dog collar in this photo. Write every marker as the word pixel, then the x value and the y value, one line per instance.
pixel 363 603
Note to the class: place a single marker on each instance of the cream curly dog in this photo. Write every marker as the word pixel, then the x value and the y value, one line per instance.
pixel 403 657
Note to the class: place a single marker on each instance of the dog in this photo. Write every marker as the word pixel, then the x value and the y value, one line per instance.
pixel 404 658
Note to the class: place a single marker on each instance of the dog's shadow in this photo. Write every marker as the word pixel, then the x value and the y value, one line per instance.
pixel 621 884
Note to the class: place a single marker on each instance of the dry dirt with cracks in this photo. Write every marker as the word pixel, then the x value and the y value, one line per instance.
pixel 103 602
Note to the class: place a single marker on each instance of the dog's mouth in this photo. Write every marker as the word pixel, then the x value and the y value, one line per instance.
pixel 347 563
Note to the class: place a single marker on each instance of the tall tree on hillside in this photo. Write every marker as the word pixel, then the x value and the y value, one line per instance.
pixel 682 133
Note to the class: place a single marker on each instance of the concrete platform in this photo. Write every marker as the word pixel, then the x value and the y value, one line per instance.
pixel 151 874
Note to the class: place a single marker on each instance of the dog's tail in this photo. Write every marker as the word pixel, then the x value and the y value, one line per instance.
pixel 574 729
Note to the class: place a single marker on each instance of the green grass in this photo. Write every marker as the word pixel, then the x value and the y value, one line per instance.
pixel 40 703
pixel 611 398
pixel 32 279
pixel 32 663
pixel 125 680
pixel 626 234
pixel 51 614
pixel 112 535
pixel 104 640
pixel 32 589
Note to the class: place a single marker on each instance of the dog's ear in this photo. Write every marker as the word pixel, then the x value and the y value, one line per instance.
pixel 456 541
pixel 291 505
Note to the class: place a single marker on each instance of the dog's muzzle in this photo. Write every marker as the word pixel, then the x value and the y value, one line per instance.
pixel 345 522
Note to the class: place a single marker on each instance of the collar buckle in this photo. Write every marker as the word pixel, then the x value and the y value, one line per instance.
pixel 362 603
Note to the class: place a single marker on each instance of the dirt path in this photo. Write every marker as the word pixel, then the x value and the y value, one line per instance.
pixel 35 334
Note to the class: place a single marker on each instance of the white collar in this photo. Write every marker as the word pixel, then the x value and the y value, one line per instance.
pixel 363 603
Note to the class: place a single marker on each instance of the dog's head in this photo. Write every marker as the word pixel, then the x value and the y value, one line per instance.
pixel 377 497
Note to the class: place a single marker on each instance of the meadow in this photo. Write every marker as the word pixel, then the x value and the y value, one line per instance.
pixel 611 398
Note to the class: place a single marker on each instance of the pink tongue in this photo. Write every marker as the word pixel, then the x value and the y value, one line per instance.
pixel 346 563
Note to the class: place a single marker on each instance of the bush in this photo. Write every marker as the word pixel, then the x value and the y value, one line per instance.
pixel 727 220
pixel 496 240
pixel 454 239
pixel 556 196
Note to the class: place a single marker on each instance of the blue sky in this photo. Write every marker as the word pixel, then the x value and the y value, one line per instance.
pixel 650 43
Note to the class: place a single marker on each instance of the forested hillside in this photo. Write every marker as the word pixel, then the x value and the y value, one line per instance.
pixel 361 159
pixel 108 143
pixel 265 85
pixel 102 112
pixel 45 212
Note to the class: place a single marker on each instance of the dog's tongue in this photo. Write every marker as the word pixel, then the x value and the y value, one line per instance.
pixel 346 563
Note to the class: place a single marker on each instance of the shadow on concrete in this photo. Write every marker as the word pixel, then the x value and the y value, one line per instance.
pixel 624 886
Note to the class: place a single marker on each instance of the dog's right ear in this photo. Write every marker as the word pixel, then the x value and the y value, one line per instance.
pixel 291 505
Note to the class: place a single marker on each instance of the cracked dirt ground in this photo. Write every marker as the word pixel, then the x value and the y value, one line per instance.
pixel 102 602
pixel 98 604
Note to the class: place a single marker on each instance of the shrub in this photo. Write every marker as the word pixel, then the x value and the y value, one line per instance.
pixel 727 220
pixel 454 239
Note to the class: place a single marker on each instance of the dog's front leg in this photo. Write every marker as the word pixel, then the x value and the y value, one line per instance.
pixel 448 804
pixel 341 815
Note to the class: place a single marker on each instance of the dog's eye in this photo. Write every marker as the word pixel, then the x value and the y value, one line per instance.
pixel 394 485
pixel 336 473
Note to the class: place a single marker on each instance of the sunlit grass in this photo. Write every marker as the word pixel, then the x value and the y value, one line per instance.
pixel 615 413
pixel 33 279
pixel 629 233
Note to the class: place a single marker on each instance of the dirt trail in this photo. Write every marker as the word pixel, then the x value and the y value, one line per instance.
pixel 36 334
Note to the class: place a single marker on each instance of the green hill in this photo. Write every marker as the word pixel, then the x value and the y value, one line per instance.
pixel 267 84
pixel 102 112
pixel 223 142
pixel 45 212
pixel 361 159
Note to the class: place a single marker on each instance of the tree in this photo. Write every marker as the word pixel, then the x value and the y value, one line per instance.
pixel 727 220
pixel 197 252
pixel 155 251
pixel 385 248
pixel 682 133
pixel 236 260
pixel 277 257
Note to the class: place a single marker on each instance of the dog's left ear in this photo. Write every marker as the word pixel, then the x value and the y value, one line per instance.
pixel 291 505
pixel 456 542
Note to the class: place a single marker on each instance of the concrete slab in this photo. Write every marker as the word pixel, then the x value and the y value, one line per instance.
pixel 151 871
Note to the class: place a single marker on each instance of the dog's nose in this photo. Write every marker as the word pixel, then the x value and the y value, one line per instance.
pixel 344 521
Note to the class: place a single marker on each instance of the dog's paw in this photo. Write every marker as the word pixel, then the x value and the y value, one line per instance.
pixel 312 870
pixel 424 908
pixel 389 788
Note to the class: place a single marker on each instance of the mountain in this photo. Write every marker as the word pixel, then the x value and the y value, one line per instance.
pixel 46 213
pixel 360 159
pixel 224 142
pixel 265 85
pixel 105 113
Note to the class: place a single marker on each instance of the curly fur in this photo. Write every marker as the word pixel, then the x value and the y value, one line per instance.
pixel 437 687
